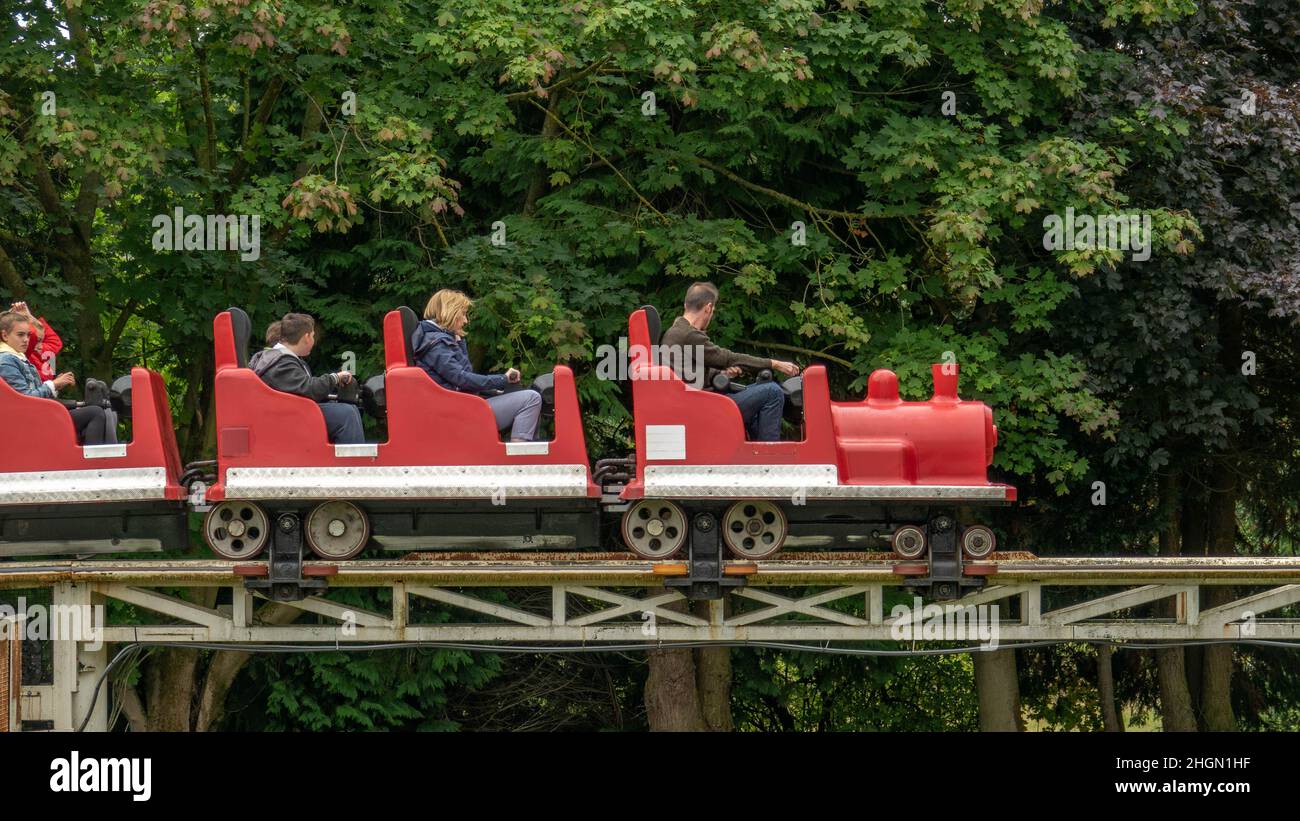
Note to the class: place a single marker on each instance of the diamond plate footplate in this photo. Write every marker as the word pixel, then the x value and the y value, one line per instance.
pixel 109 484
pixel 414 482
pixel 813 481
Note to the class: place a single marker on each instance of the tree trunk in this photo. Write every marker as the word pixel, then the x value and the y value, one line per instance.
pixel 1110 715
pixel 76 260
pixel 713 681
pixel 170 689
pixel 998 687
pixel 689 690
pixel 133 709
pixel 11 279
pixel 1216 665
pixel 1221 527
pixel 1194 544
pixel 541 177
pixel 96 360
pixel 192 418
pixel 1176 714
pixel 226 665
pixel 1216 689
pixel 672 699
pixel 173 678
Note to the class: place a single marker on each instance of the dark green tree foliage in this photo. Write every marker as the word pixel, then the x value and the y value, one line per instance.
pixel 1059 687
pixel 385 689
pixel 369 690
pixel 1197 354
pixel 811 692
pixel 584 692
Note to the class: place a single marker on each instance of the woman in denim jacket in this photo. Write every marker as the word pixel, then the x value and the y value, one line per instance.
pixel 15 334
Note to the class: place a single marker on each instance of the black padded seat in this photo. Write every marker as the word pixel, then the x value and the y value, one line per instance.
pixel 652 323
pixel 242 328
pixel 409 321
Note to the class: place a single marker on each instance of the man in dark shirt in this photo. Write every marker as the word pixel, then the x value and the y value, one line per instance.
pixel 284 368
pixel 760 403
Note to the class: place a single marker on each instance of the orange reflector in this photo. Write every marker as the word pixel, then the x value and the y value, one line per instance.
pixel 320 570
pixel 911 569
pixel 674 569
pixel 979 569
pixel 739 569
pixel 250 570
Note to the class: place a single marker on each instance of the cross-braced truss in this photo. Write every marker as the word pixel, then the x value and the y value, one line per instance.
pixel 624 601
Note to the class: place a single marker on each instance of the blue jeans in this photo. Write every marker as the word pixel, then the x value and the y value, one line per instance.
pixel 760 406
pixel 343 423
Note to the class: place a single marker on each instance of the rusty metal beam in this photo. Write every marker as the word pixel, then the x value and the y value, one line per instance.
pixel 610 569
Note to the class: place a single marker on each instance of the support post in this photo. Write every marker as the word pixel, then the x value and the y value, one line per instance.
pixel 78 663
pixel 284 580
pixel 705 580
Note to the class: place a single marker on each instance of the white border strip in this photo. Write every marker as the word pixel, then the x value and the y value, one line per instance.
pixel 809 481
pixel 413 482
pixel 109 484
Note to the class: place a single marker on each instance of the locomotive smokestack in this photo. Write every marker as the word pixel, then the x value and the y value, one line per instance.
pixel 945 382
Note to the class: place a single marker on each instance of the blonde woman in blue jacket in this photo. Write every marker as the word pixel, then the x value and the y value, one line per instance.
pixel 440 350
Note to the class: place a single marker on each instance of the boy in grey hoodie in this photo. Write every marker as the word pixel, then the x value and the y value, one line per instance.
pixel 284 368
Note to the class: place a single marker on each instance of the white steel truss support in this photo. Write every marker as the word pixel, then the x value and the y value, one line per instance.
pixel 652 605
pixel 625 602
pixel 1116 601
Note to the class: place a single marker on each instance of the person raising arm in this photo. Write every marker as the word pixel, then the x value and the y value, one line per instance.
pixel 45 343
pixel 20 374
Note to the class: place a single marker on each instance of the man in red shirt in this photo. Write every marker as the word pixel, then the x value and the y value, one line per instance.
pixel 45 344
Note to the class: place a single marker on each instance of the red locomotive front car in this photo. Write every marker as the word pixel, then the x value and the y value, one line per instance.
pixel 878 468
